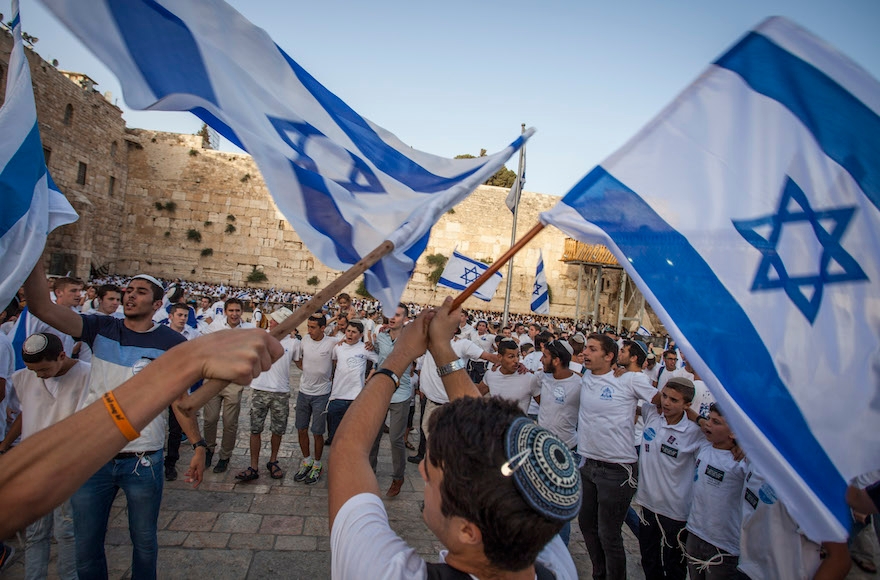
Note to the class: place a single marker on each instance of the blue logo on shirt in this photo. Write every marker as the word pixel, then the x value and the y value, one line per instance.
pixel 649 434
pixel 767 494
pixel 607 394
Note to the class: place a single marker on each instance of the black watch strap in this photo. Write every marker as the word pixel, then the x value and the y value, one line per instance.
pixel 390 374
pixel 200 443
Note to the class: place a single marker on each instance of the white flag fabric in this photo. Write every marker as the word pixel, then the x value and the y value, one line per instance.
pixel 30 204
pixel 516 190
pixel 748 214
pixel 461 271
pixel 344 184
pixel 541 291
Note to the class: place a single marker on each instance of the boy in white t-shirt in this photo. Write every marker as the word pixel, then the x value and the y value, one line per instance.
pixel 715 518
pixel 669 446
pixel 506 382
pixel 351 357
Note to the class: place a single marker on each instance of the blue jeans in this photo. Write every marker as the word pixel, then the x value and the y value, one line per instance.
pixel 335 412
pixel 39 535
pixel 142 480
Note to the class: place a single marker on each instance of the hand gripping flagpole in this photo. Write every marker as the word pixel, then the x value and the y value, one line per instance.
pixel 495 266
pixel 192 403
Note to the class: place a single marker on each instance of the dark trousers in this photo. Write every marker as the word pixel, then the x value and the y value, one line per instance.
pixel 423 441
pixel 476 370
pixel 607 495
pixel 658 542
pixel 175 436
pixel 335 412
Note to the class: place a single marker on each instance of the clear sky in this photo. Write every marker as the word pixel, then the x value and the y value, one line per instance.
pixel 456 76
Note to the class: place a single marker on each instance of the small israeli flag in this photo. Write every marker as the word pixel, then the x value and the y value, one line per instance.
pixel 461 271
pixel 541 291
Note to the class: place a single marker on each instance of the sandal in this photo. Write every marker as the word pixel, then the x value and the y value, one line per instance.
pixel 275 471
pixel 410 446
pixel 248 474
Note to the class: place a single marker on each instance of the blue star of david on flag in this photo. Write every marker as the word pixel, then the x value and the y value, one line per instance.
pixel 828 225
pixel 470 274
pixel 461 271
pixel 537 290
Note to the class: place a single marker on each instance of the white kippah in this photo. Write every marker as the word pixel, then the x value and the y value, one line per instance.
pixel 35 344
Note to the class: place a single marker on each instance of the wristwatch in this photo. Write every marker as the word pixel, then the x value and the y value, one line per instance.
pixel 200 443
pixel 456 365
pixel 390 374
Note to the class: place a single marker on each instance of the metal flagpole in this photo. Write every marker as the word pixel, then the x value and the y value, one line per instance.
pixel 518 183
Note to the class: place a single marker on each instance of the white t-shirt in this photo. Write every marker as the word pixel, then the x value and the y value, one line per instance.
pixel 430 384
pixel 666 464
pixel 606 422
pixel 652 373
pixel 716 510
pixel 220 324
pixel 7 367
pixel 772 545
pixel 484 341
pixel 667 374
pixel 516 387
pixel 363 545
pixel 560 404
pixel 317 365
pixel 468 332
pixel 702 398
pixel 532 361
pixel 277 378
pixel 524 339
pixel 44 402
pixel 217 310
pixel 351 369
pixel 576 367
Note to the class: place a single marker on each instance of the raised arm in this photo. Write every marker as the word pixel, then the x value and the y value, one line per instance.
pixel 457 384
pixel 82 443
pixel 36 290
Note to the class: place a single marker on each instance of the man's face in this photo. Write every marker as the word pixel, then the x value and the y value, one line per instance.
pixel 68 295
pixel 316 332
pixel 233 314
pixel 462 319
pixel 595 358
pixel 623 357
pixel 352 335
pixel 47 369
pixel 520 329
pixel 547 360
pixel 138 300
pixel 670 360
pixel 482 328
pixel 510 360
pixel 110 302
pixel 398 320
pixel 91 293
pixel 533 332
pixel 672 403
pixel 178 319
pixel 343 304
pixel 506 332
pixel 716 429
pixel 204 303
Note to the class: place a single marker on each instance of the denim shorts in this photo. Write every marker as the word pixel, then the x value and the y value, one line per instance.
pixel 314 408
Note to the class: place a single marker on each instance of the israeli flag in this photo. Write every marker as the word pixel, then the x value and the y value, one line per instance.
pixel 461 271
pixel 30 204
pixel 748 214
pixel 541 291
pixel 515 192
pixel 345 184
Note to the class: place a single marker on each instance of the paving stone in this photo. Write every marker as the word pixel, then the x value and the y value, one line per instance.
pixel 275 564
pixel 303 543
pixel 193 521
pixel 251 488
pixel 171 538
pixel 239 523
pixel 252 541
pixel 205 501
pixel 216 564
pixel 282 525
pixel 289 505
pixel 316 526
pixel 206 540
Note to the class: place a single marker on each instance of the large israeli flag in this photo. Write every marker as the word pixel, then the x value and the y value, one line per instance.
pixel 343 183
pixel 748 212
pixel 461 271
pixel 541 291
pixel 30 204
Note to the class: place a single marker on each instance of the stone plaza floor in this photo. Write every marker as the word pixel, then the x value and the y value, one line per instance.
pixel 273 528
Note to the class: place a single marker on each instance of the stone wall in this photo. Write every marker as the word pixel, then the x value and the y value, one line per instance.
pixel 217 220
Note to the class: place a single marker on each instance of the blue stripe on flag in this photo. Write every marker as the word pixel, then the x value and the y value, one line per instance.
pixel 171 66
pixel 218 126
pixel 846 129
pixel 681 281
pixel 539 301
pixel 19 178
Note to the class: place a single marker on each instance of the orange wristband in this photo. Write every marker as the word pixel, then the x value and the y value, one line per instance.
pixel 119 417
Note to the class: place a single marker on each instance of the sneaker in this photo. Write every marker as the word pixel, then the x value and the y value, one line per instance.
pixel 415 458
pixel 222 465
pixel 6 555
pixel 209 456
pixel 314 474
pixel 303 472
pixel 170 473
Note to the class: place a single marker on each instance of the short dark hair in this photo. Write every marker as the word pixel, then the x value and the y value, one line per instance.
pixel 104 288
pixel 357 325
pixel 178 306
pixel 505 345
pixel 405 308
pixel 320 319
pixel 686 391
pixel 343 296
pixel 51 352
pixel 636 351
pixel 467 443
pixel 177 294
pixel 232 301
pixel 608 344
pixel 526 348
pixel 65 281
pixel 714 408
pixel 557 350
pixel 543 338
pixel 670 351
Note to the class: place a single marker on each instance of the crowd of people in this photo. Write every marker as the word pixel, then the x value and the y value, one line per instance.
pixel 523 428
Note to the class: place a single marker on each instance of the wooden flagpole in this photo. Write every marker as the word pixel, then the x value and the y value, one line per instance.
pixel 209 389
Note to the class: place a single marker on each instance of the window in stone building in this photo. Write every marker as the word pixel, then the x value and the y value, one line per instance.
pixel 280 224
pixel 81 173
pixel 47 153
pixel 113 149
pixel 60 264
pixel 68 114
pixel 111 186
